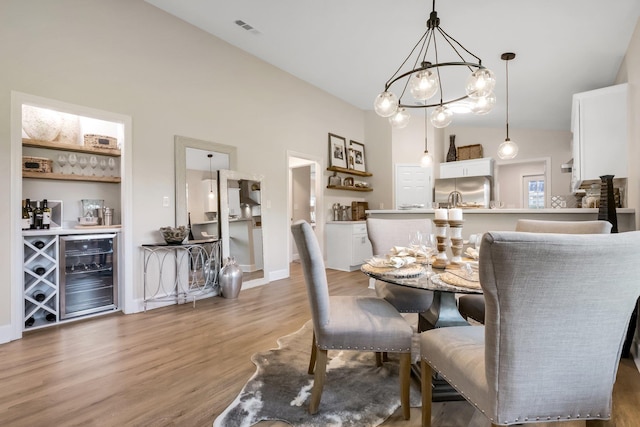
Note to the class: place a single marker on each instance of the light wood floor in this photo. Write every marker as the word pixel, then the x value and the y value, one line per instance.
pixel 180 366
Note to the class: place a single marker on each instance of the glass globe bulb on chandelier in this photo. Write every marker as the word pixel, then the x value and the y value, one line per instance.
pixel 508 149
pixel 423 78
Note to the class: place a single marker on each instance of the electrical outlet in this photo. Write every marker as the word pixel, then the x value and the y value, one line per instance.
pixel 165 202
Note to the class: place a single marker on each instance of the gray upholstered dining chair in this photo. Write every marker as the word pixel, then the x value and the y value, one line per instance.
pixel 385 234
pixel 358 323
pixel 472 306
pixel 557 308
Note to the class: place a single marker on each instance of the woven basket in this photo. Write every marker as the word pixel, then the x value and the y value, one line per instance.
pixel 36 164
pixel 468 152
pixel 101 141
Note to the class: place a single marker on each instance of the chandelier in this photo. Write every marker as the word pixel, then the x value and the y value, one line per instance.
pixel 421 73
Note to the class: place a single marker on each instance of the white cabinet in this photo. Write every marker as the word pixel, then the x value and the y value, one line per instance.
pixel 347 245
pixel 599 126
pixel 462 168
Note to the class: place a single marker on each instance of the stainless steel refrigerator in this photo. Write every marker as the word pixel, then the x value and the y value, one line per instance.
pixel 470 192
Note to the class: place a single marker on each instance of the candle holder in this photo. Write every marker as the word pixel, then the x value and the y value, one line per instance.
pixel 455 227
pixel 442 226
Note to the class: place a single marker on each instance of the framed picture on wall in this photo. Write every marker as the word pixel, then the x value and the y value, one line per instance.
pixel 356 156
pixel 337 151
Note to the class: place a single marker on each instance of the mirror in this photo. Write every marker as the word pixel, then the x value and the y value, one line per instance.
pixel 241 222
pixel 198 182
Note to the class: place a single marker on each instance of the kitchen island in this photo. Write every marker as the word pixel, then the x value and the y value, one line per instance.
pixel 477 220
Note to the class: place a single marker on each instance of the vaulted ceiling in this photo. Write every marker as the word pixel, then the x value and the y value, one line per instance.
pixel 350 48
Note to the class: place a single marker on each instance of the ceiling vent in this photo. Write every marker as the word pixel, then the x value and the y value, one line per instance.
pixel 247 27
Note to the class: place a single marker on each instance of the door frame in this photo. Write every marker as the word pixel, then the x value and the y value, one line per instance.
pixel 319 194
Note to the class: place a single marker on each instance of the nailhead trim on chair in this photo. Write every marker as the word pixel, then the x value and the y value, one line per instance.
pixel 526 419
pixel 389 350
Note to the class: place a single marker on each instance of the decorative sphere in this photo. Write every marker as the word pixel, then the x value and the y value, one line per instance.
pixel 423 84
pixel 441 117
pixel 386 104
pixel 480 83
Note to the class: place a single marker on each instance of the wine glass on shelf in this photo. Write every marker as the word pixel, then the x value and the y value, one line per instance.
pixel 83 162
pixel 93 162
pixel 62 161
pixel 103 166
pixel 430 246
pixel 112 166
pixel 73 160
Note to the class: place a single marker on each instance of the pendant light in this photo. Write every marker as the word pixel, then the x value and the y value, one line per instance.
pixel 427 159
pixel 508 149
pixel 211 202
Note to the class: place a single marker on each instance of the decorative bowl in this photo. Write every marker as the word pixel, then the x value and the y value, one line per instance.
pixel 174 235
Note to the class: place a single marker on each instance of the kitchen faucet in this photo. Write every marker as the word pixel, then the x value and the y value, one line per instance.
pixel 455 199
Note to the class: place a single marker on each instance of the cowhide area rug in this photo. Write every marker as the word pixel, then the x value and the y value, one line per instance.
pixel 356 392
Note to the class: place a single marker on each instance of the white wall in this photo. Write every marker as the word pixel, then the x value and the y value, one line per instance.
pixel 128 57
pixel 532 144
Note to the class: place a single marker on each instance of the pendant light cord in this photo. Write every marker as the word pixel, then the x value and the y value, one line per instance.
pixel 507 82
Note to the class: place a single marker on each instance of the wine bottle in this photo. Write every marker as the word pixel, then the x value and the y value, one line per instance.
pixel 46 215
pixel 29 322
pixel 39 296
pixel 50 317
pixel 39 270
pixel 32 224
pixel 38 244
pixel 37 216
pixel 26 219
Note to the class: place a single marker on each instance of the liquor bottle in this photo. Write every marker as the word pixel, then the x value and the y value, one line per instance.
pixel 46 215
pixel 32 224
pixel 37 216
pixel 26 219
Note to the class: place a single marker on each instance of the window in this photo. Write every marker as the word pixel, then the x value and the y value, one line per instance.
pixel 533 191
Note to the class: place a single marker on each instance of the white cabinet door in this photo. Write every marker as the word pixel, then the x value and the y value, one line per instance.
pixel 347 245
pixel 413 186
pixel 600 133
pixel 462 168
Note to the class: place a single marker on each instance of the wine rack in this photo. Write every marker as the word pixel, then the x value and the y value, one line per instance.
pixel 40 271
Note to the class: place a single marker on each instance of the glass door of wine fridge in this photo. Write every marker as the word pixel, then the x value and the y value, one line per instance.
pixel 88 274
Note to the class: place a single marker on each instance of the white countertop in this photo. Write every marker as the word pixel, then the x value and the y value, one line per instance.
pixel 472 211
pixel 79 230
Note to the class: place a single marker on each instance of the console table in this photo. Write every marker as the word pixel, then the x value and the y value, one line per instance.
pixel 178 273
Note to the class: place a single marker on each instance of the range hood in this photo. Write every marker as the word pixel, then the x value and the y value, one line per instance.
pixel 248 191
pixel 567 167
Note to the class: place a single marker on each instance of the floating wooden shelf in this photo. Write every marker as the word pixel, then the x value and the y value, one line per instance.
pixel 348 171
pixel 351 188
pixel 65 177
pixel 70 147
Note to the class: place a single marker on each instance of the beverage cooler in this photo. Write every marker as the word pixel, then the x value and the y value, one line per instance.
pixel 88 274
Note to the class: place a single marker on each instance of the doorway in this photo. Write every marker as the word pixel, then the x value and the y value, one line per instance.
pixel 304 195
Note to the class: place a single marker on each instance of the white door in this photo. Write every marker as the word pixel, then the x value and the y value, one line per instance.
pixel 413 186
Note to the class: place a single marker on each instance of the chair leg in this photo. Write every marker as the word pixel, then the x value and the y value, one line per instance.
pixel 318 380
pixel 599 423
pixel 426 393
pixel 378 359
pixel 312 359
pixel 405 378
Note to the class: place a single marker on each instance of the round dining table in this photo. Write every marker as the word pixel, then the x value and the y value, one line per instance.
pixel 443 311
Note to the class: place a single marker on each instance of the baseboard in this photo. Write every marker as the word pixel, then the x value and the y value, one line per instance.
pixel 6 334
